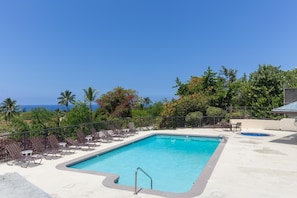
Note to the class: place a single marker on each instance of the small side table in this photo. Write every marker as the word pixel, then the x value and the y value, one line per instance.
pixel 62 144
pixel 27 152
pixel 89 138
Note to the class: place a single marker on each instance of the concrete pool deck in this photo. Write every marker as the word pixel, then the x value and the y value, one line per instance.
pixel 248 167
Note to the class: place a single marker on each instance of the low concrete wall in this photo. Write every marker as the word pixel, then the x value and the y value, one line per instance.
pixel 285 124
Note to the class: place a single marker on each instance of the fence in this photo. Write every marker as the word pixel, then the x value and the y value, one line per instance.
pixel 144 123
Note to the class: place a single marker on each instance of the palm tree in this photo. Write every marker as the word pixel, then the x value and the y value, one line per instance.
pixel 65 98
pixel 90 96
pixel 9 109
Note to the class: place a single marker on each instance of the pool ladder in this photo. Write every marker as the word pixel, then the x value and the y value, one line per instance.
pixel 136 172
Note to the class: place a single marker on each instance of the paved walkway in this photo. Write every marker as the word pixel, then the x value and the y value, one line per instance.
pixel 264 167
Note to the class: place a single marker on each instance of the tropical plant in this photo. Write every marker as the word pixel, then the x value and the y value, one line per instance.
pixel 90 97
pixel 19 125
pixel 9 109
pixel 65 98
pixel 79 114
pixel 40 118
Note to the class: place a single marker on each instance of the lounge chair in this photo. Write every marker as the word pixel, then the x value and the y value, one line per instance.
pixel 41 148
pixel 132 128
pixel 95 135
pixel 122 132
pixel 226 126
pixel 16 154
pixel 56 146
pixel 73 143
pixel 104 136
pixel 115 136
pixel 238 126
pixel 85 140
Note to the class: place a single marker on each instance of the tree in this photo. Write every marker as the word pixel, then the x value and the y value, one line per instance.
pixel 229 87
pixel 144 102
pixel 40 118
pixel 209 81
pixel 90 97
pixel 185 105
pixel 182 89
pixel 118 102
pixel 79 114
pixel 290 79
pixel 65 98
pixel 9 109
pixel 266 89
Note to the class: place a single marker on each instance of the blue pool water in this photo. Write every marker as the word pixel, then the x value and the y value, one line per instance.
pixel 173 162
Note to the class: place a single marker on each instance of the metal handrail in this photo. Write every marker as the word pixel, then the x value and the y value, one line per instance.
pixel 138 168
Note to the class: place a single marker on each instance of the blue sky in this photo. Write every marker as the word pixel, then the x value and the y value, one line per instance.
pixel 49 46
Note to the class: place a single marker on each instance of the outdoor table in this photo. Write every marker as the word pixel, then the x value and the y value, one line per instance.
pixel 62 144
pixel 27 152
pixel 89 138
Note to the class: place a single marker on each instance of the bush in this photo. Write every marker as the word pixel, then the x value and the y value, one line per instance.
pixel 214 111
pixel 193 119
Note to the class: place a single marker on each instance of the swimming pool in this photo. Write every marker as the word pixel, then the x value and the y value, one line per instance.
pixel 174 162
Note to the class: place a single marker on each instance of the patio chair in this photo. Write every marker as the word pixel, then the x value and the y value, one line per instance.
pixel 56 146
pixel 15 153
pixel 40 148
pixel 86 140
pixel 122 132
pixel 132 128
pixel 95 135
pixel 238 126
pixel 104 136
pixel 115 136
pixel 226 126
pixel 73 143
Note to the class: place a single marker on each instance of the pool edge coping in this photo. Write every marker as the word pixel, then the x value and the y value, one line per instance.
pixel 109 180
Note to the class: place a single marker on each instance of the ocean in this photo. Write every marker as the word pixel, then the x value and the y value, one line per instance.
pixel 26 108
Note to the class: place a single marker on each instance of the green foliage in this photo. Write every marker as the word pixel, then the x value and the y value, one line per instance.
pixel 77 115
pixel 214 111
pixel 90 97
pixel 263 88
pixel 290 78
pixel 182 89
pixel 155 109
pixel 19 125
pixel 185 105
pixel 266 89
pixel 9 109
pixel 57 117
pixel 209 82
pixel 193 119
pixel 139 113
pixel 26 115
pixel 65 98
pixel 40 117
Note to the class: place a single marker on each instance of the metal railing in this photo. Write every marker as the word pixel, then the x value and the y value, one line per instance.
pixel 144 123
pixel 136 172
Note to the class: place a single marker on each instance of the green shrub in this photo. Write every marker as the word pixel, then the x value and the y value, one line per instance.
pixel 214 111
pixel 193 119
